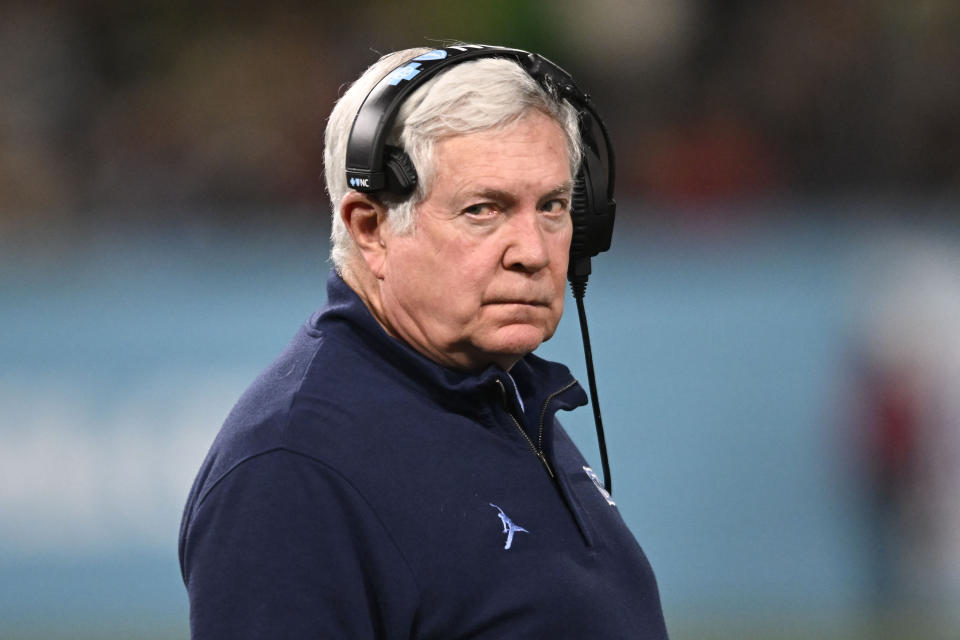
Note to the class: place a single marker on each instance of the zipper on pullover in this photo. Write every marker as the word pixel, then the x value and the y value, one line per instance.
pixel 537 447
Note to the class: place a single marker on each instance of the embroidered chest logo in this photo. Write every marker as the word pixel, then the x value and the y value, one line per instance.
pixel 509 527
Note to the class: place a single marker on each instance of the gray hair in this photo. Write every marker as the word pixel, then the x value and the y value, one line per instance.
pixel 473 96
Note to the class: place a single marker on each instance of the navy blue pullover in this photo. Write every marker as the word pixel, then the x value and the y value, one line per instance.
pixel 359 490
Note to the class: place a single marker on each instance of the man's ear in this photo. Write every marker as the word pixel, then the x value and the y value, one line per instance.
pixel 366 221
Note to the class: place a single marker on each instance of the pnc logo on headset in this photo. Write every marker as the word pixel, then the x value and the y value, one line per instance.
pixel 359 182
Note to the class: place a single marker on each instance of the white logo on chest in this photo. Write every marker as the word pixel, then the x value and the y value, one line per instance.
pixel 509 527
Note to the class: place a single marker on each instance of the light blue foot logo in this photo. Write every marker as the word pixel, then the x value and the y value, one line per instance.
pixel 508 527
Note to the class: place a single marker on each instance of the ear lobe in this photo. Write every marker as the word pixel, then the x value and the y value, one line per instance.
pixel 365 219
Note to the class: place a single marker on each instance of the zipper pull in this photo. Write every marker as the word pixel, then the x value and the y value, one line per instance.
pixel 543 459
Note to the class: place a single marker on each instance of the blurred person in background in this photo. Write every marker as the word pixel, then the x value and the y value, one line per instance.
pixel 398 471
pixel 910 412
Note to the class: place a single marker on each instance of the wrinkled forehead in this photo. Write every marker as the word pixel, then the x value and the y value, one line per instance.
pixel 527 157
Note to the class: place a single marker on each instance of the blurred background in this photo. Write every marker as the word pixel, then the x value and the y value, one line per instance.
pixel 776 329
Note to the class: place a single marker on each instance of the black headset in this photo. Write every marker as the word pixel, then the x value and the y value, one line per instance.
pixel 373 166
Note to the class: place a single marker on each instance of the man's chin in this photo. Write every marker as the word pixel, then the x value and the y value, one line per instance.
pixel 517 340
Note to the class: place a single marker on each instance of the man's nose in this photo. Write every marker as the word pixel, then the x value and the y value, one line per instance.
pixel 527 248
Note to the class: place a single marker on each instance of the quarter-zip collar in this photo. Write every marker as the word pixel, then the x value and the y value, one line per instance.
pixel 539 382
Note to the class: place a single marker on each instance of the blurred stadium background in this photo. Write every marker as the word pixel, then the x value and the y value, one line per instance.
pixel 777 327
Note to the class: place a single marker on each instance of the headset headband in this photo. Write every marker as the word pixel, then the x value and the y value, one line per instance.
pixel 593 206
pixel 376 115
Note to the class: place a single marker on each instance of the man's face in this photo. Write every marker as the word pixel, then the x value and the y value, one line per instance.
pixel 481 278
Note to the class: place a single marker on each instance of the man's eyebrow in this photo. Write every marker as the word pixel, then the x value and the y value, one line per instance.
pixel 559 190
pixel 498 195
pixel 491 194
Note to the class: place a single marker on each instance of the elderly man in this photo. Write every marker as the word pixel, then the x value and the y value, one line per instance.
pixel 398 471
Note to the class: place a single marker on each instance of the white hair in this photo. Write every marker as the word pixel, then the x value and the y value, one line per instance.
pixel 478 95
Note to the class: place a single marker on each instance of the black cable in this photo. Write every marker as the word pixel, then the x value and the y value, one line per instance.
pixel 579 290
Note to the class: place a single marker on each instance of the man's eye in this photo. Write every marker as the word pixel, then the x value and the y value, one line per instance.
pixel 484 210
pixel 555 207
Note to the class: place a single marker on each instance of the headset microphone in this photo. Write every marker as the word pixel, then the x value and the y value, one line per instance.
pixel 373 166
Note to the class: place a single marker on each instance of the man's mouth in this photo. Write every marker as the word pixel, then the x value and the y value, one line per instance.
pixel 521 301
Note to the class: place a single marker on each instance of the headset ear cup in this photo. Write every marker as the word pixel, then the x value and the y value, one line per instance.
pixel 400 172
